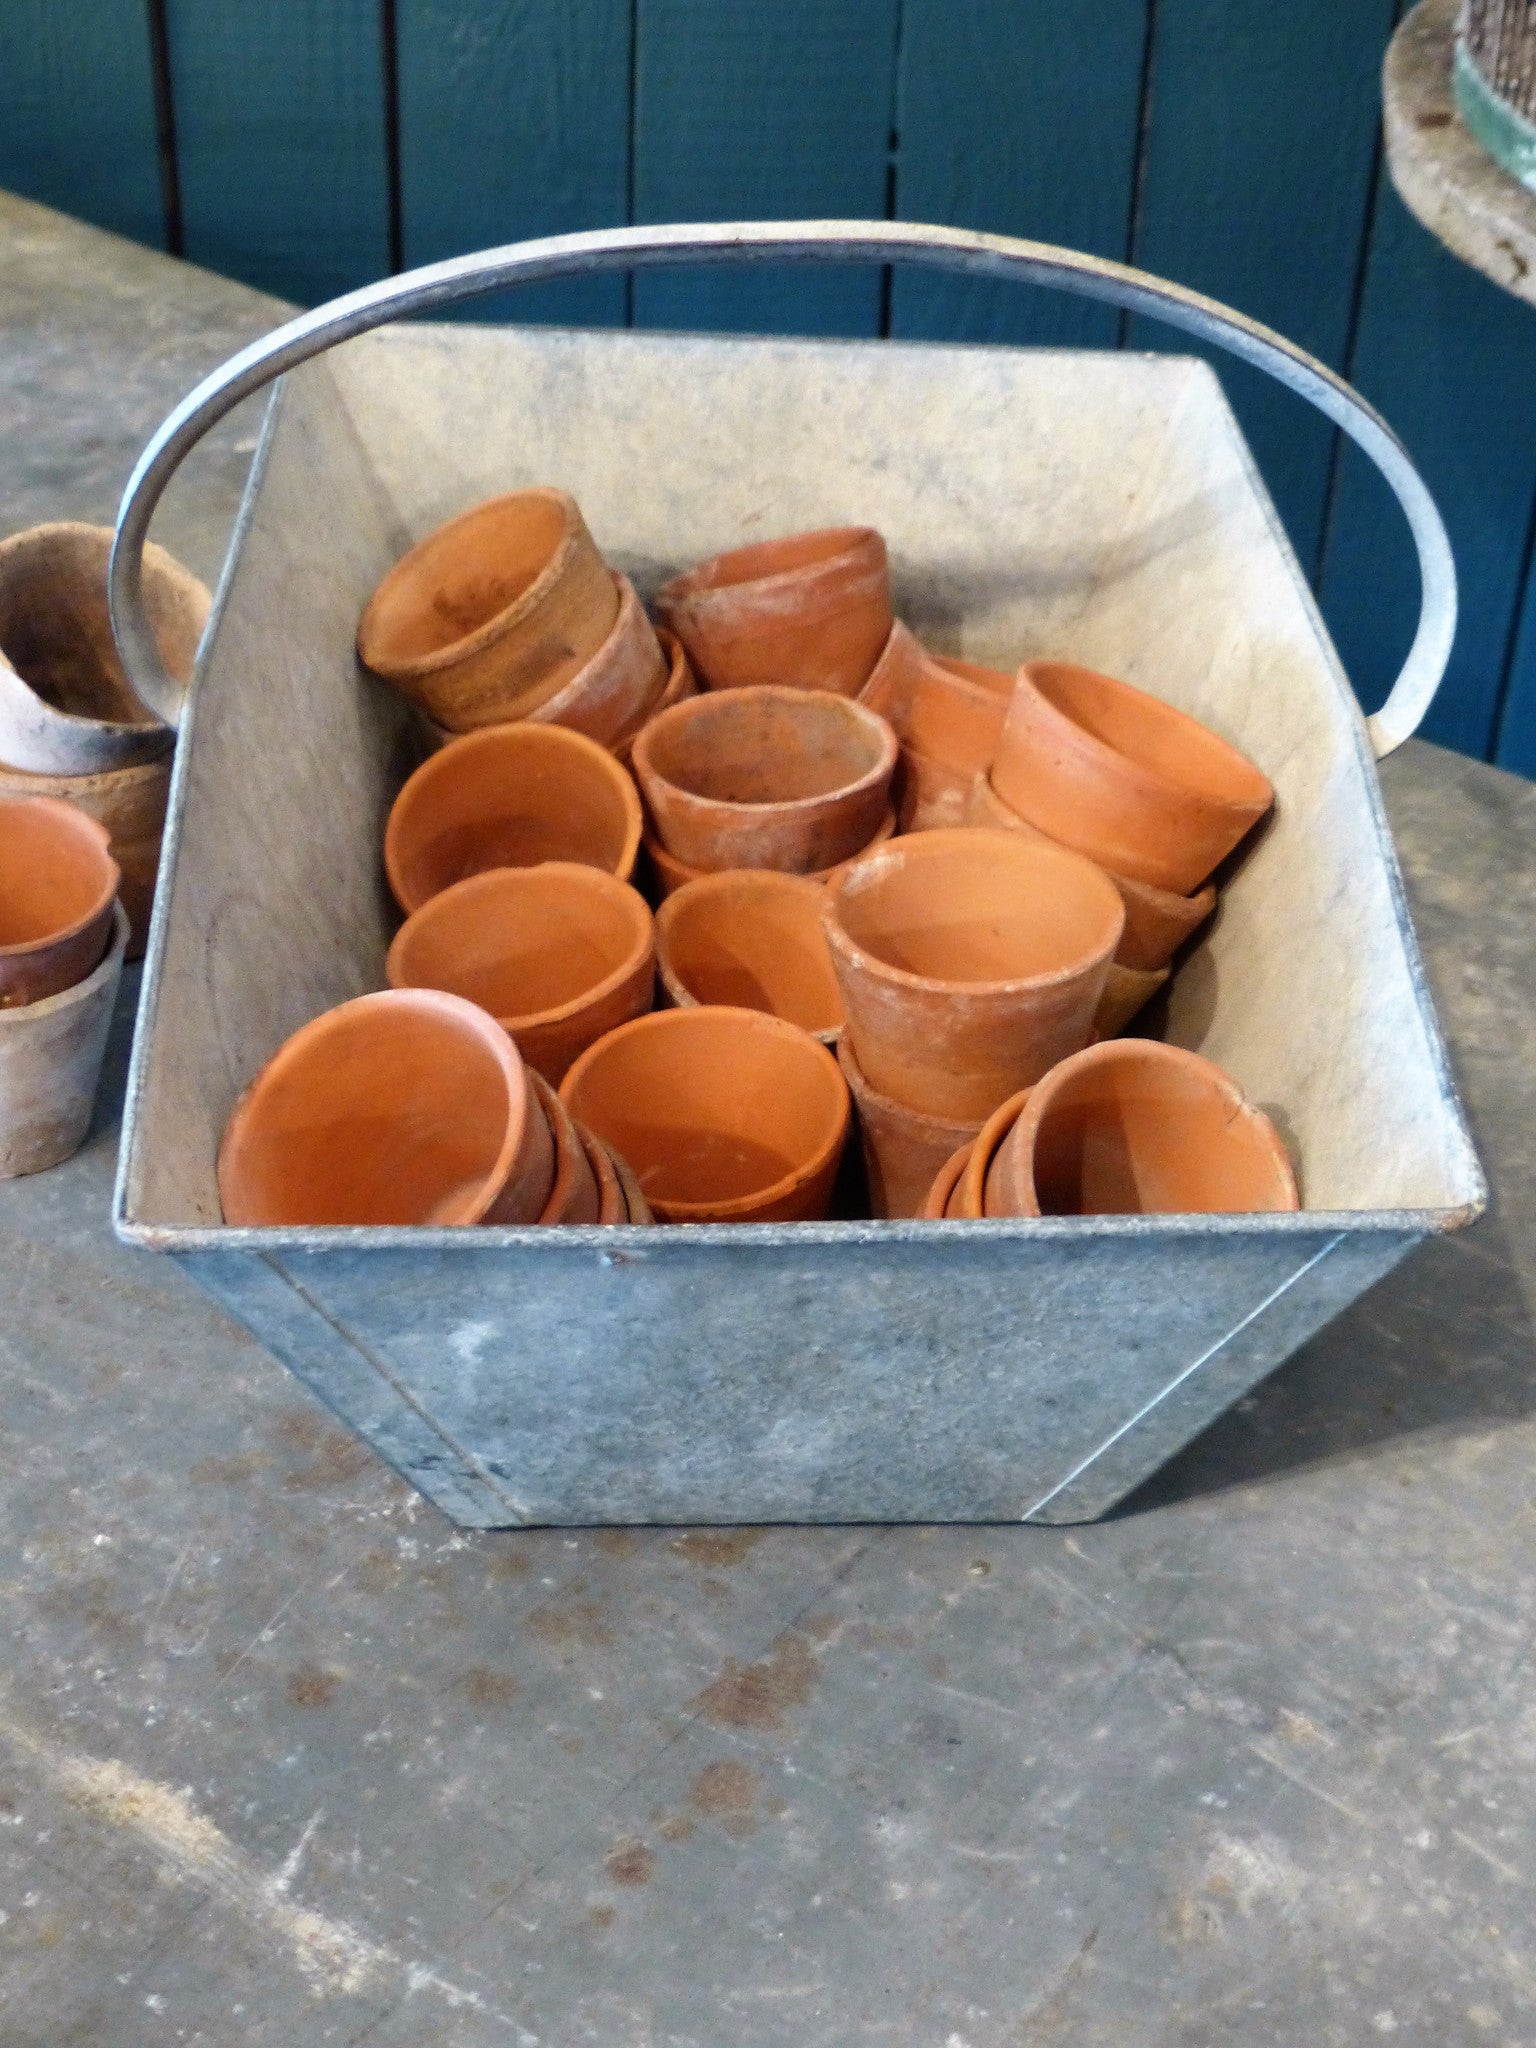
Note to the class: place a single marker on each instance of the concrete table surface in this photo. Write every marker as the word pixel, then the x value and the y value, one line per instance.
pixel 286 1759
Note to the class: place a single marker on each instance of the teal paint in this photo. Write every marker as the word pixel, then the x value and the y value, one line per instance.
pixel 77 112
pixel 1255 182
pixel 1021 120
pixel 280 141
pixel 514 122
pixel 746 110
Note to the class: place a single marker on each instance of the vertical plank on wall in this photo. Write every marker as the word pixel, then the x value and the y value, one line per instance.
pixel 1436 351
pixel 77 112
pixel 514 121
pixel 1515 745
pixel 280 140
pixel 1255 185
pixel 1020 121
pixel 748 111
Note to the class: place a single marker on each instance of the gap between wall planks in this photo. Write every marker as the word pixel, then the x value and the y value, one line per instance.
pixel 1230 146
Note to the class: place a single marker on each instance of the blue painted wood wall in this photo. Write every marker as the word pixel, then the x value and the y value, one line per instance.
pixel 309 145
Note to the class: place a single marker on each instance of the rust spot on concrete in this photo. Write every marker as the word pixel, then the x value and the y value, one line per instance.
pixel 618 1542
pixel 509 1561
pixel 572 1745
pixel 675 1827
pixel 717 1546
pixel 89 1600
pixel 761 1695
pixel 937 1666
pixel 821 1628
pixel 600 1917
pixel 336 1456
pixel 571 1624
pixel 376 1571
pixel 228 1471
pixel 630 1863
pixel 311 1685
pixel 483 1687
pixel 717 1592
pixel 726 1787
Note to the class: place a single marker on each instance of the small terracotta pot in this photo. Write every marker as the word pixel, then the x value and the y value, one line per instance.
pixel 751 939
pixel 409 1106
pixel 1127 991
pixel 903 1148
pixel 937 1200
pixel 726 1116
pixel 617 687
pixel 611 1205
pixel 948 716
pixel 668 874
pixel 58 883
pixel 510 797
pixel 130 804
pixel 1135 1128
pixel 1157 922
pixel 50 1065
pixel 66 707
pixel 634 1195
pixel 574 1198
pixel 484 620
pixel 1141 788
pixel 558 954
pixel 770 778
pixel 968 1198
pixel 679 685
pixel 970 962
pixel 812 610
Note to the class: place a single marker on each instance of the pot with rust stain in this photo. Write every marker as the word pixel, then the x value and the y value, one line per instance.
pixel 1145 790
pixel 58 883
pixel 770 778
pixel 812 610
pixel 948 716
pixel 1135 1128
pixel 668 874
pixel 490 615
pixel 616 689
pixel 903 1148
pixel 752 939
pixel 409 1106
pixel 970 962
pixel 725 1115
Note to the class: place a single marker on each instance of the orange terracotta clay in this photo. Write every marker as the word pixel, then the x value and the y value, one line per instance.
pixel 634 1195
pixel 937 1200
pixel 969 1198
pixel 753 939
pixel 1141 788
pixel 769 778
pixel 485 619
pixel 812 610
pixel 1157 922
pixel 725 1115
pixel 679 684
pixel 1134 1127
pixel 611 1205
pixel 574 1198
pixel 559 954
pixel 58 883
pixel 621 682
pixel 948 716
pixel 970 962
pixel 1127 991
pixel 510 797
pixel 130 803
pixel 668 874
pixel 903 1148
pixel 409 1106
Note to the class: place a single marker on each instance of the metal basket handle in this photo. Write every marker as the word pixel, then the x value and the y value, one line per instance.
pixel 439 285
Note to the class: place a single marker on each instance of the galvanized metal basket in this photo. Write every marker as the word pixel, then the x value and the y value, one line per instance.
pixel 1098 506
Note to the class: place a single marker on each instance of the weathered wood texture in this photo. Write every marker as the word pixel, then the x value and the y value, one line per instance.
pixel 1234 148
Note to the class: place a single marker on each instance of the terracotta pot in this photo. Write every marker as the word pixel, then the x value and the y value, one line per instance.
pixel 945 1181
pixel 970 962
pixel 668 874
pixel 679 685
pixel 484 620
pixel 771 778
pixel 58 883
pixel 510 797
pixel 812 610
pixel 130 803
pixel 751 939
pixel 574 1197
pixel 1127 991
pixel 726 1116
pixel 558 954
pixel 66 707
pixel 619 685
pixel 1157 922
pixel 1141 788
pixel 948 716
pixel 903 1148
pixel 611 1205
pixel 409 1106
pixel 634 1195
pixel 50 1064
pixel 1136 1128
pixel 969 1196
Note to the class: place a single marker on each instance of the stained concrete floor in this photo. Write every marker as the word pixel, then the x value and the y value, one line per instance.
pixel 284 1758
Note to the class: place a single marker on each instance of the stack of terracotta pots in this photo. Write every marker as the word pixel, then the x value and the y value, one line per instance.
pixel 879 880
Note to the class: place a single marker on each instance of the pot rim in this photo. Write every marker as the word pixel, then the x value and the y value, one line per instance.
pixel 570 1149
pixel 492 880
pixel 863 1090
pixel 908 846
pixel 885 832
pixel 18 1015
pixel 604 1172
pixel 686 590
pixel 1164 902
pixel 74 819
pixel 972 1182
pixel 756 1020
pixel 707 701
pixel 947 1178
pixel 500 623
pixel 772 881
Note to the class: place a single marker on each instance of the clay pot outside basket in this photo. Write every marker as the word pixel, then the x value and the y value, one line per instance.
pixel 1145 790
pixel 510 797
pixel 50 1064
pixel 574 1197
pixel 903 1148
pixel 490 615
pixel 750 939
pixel 405 1107
pixel 725 1116
pixel 767 778
pixel 66 707
pixel 558 954
pixel 948 716
pixel 1134 1127
pixel 669 874
pixel 1157 921
pixel 812 610
pixel 58 883
pixel 130 803
pixel 617 687
pixel 970 963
